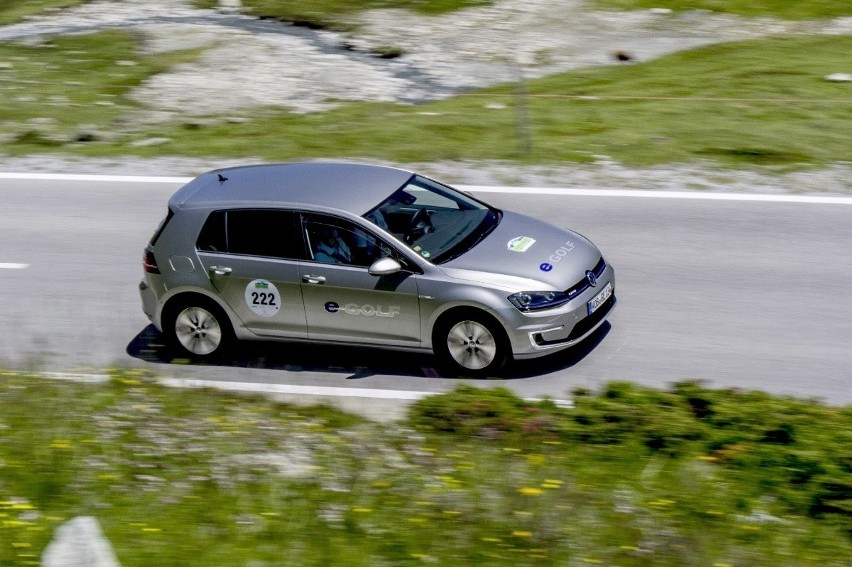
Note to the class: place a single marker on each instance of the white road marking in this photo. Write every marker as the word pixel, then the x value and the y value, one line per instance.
pixel 280 389
pixel 99 178
pixel 8 266
pixel 324 391
pixel 697 195
pixel 569 192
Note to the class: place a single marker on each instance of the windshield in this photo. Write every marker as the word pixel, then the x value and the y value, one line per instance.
pixel 436 221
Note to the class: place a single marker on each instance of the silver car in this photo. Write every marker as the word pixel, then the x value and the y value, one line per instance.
pixel 343 253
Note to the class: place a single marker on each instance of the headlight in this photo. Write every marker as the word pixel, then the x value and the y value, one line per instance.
pixel 537 300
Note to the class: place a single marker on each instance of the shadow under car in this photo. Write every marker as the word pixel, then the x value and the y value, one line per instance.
pixel 356 361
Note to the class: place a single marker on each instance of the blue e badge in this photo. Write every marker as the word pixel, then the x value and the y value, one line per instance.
pixel 545 267
pixel 332 307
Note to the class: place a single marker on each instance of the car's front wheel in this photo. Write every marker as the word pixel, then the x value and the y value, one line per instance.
pixel 471 344
pixel 198 328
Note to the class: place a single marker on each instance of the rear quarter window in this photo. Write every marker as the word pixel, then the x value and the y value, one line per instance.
pixel 162 227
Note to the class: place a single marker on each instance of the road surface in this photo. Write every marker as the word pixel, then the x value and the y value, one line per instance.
pixel 752 294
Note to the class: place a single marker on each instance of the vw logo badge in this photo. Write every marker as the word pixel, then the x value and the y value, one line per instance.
pixel 593 279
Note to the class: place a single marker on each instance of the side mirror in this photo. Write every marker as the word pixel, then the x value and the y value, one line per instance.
pixel 384 267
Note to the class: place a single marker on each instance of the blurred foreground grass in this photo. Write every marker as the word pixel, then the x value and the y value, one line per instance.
pixel 754 102
pixel 629 476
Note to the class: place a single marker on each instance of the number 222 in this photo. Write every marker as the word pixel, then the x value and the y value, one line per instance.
pixel 263 298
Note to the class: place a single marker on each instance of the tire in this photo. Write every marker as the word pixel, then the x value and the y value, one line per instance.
pixel 198 328
pixel 471 344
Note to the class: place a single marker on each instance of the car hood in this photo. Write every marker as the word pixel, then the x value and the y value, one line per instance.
pixel 524 253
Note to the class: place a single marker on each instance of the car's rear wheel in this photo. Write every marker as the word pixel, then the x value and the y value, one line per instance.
pixel 471 344
pixel 198 328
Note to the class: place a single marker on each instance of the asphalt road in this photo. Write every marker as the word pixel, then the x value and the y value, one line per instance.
pixel 747 294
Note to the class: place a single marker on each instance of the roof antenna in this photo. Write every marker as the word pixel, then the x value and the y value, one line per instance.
pixel 222 178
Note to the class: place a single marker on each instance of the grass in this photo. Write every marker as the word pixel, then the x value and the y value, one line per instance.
pixel 751 8
pixel 333 13
pixel 55 91
pixel 748 103
pixel 13 11
pixel 329 12
pixel 474 477
pixel 767 104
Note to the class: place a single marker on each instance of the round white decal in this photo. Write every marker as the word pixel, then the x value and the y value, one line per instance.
pixel 263 298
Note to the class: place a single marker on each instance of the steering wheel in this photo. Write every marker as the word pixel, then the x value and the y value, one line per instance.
pixel 419 225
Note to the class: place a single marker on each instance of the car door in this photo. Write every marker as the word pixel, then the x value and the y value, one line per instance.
pixel 252 257
pixel 343 301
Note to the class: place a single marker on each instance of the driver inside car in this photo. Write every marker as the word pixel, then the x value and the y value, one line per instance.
pixel 330 247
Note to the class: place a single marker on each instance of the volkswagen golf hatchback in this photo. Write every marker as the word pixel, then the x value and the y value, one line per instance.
pixel 343 253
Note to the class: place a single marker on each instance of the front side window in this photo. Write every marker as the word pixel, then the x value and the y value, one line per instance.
pixel 332 240
pixel 435 221
pixel 255 232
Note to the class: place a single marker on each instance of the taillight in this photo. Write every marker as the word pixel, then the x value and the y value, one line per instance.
pixel 149 263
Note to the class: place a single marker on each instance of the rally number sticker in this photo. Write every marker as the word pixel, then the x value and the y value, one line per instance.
pixel 263 298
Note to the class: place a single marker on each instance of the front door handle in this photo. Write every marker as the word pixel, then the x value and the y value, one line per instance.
pixel 307 278
pixel 220 270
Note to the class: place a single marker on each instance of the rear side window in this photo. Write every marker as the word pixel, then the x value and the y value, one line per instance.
pixel 213 237
pixel 255 232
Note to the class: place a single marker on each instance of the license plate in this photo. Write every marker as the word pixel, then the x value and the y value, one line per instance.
pixel 600 298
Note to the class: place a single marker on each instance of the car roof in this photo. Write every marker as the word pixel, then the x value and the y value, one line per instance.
pixel 351 187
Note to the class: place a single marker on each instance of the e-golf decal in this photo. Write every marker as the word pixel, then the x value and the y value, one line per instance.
pixel 561 252
pixel 365 310
pixel 263 298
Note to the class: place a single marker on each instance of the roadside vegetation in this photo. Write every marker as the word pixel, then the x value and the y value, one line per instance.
pixel 629 476
pixel 333 14
pixel 12 11
pixel 762 102
pixel 767 104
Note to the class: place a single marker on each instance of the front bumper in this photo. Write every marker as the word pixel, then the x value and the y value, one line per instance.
pixel 540 333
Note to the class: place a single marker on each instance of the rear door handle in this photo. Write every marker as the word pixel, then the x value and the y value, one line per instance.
pixel 307 278
pixel 220 270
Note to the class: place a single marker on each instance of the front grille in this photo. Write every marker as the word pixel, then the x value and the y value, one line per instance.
pixel 583 284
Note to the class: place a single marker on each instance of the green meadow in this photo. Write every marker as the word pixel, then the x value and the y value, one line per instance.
pixel 628 476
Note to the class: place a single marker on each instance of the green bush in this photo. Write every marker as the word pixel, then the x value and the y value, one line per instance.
pixel 487 413
pixel 797 451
